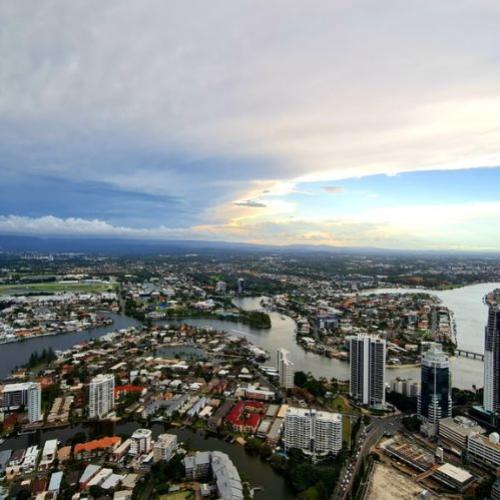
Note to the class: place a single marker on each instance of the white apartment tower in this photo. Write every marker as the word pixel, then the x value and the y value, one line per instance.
pixel 34 402
pixel 101 395
pixel 367 359
pixel 285 369
pixel 141 442
pixel 164 448
pixel 314 432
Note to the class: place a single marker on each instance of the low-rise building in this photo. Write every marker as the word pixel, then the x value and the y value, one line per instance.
pixel 215 421
pixel 226 477
pixel 273 436
pixel 55 484
pixel 259 394
pixel 122 450
pixel 484 451
pixel 97 446
pixel 216 466
pixel 456 430
pixel 455 477
pixel 49 454
pixel 90 471
pixel 4 460
pixel 30 459
pixel 245 416
pixel 495 490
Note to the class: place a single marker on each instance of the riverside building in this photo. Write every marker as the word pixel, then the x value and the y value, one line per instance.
pixel 434 402
pixel 285 369
pixel 367 354
pixel 491 398
pixel 314 432
pixel 101 395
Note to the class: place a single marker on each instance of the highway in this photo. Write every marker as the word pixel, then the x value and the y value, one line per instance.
pixel 367 438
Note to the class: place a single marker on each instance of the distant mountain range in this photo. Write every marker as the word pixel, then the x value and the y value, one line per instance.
pixel 126 246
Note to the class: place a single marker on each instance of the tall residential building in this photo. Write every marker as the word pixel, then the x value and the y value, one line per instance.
pixel 13 396
pixel 434 402
pixel 314 432
pixel 101 395
pixel 27 394
pixel 141 442
pixel 165 447
pixel 491 397
pixel 285 369
pixel 241 285
pixel 367 358
pixel 34 402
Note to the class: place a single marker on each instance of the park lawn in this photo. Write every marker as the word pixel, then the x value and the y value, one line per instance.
pixel 55 287
pixel 346 429
pixel 340 405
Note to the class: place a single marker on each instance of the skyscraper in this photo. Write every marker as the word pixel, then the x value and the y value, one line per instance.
pixel 434 402
pixel 101 395
pixel 34 402
pixel 367 359
pixel 491 397
pixel 285 369
pixel 314 432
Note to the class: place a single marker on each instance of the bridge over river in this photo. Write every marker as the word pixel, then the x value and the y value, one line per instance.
pixel 469 354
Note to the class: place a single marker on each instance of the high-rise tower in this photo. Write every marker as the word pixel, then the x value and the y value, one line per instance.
pixel 34 402
pixel 101 395
pixel 367 358
pixel 285 369
pixel 434 402
pixel 491 397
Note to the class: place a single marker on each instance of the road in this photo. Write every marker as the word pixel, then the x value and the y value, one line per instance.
pixel 367 438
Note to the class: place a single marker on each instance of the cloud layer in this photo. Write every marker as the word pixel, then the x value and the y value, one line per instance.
pixel 182 115
pixel 417 226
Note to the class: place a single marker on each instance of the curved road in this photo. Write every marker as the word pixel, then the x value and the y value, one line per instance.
pixel 367 438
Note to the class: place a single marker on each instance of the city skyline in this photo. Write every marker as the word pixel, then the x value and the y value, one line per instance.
pixel 277 122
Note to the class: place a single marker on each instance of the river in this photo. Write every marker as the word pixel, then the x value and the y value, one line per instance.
pixel 16 354
pixel 251 468
pixel 466 303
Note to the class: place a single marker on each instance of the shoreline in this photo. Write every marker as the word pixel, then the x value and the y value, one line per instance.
pixel 396 367
pixel 53 334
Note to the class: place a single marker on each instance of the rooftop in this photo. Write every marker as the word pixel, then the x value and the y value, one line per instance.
pixel 97 444
pixel 462 425
pixel 456 473
pixel 319 415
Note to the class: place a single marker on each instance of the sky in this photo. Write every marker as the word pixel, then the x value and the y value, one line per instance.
pixel 363 123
